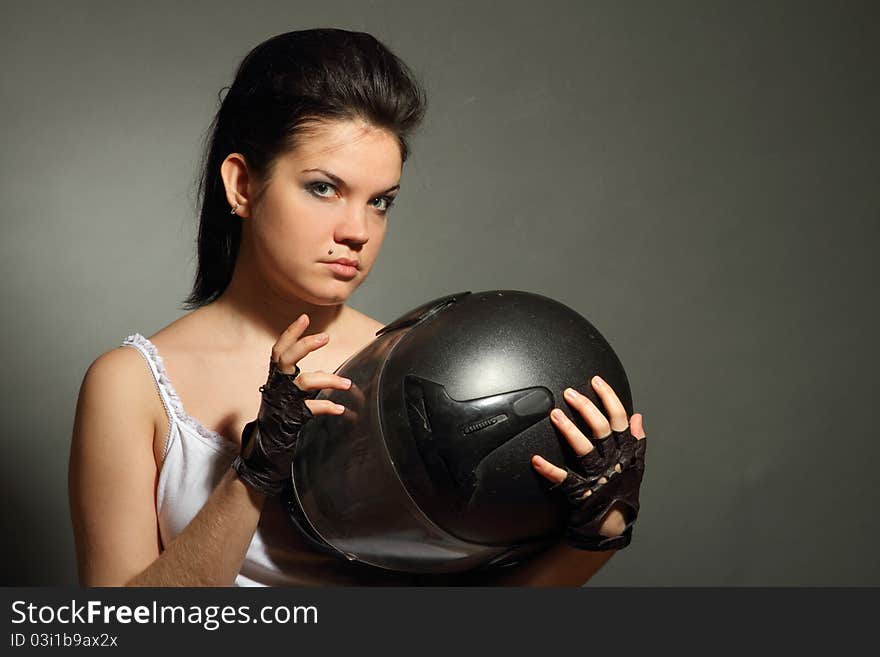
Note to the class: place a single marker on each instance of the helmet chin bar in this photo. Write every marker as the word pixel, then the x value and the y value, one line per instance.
pixel 454 436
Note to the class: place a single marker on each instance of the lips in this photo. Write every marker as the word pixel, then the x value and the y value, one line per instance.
pixel 345 271
pixel 344 261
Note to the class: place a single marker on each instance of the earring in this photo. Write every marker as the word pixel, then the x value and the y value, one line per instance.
pixel 234 209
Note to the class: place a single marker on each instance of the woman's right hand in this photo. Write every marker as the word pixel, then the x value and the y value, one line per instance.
pixel 268 443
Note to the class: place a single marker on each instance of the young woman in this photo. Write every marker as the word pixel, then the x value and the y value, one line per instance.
pixel 304 161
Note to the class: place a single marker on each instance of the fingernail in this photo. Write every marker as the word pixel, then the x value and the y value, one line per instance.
pixel 321 337
pixel 557 414
pixel 346 382
pixel 571 392
pixel 598 379
pixel 339 408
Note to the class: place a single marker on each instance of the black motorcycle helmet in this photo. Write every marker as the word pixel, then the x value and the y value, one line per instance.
pixel 428 470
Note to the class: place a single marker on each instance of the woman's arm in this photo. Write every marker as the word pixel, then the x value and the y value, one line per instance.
pixel 561 564
pixel 210 551
pixel 112 483
pixel 558 565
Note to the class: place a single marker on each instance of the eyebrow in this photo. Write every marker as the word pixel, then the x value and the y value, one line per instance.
pixel 339 181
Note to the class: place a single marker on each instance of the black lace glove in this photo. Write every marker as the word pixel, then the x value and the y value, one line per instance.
pixel 620 460
pixel 268 443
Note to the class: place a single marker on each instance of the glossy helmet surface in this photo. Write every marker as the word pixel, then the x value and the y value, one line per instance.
pixel 428 470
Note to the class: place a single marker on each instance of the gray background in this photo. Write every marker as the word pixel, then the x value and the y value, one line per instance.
pixel 699 179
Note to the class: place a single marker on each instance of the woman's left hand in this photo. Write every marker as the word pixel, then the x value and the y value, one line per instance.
pixel 603 494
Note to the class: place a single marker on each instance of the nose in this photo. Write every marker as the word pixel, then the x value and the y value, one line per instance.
pixel 353 227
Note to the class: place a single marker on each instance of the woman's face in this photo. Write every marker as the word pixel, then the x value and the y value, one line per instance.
pixel 331 193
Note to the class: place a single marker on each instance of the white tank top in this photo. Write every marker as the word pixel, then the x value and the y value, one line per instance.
pixel 195 459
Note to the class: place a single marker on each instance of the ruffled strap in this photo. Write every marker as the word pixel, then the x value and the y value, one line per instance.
pixel 169 395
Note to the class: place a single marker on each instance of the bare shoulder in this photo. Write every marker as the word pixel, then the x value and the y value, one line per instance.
pixel 112 470
pixel 187 331
pixel 121 372
pixel 366 326
pixel 118 383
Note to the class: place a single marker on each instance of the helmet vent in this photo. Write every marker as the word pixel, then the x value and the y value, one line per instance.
pixel 483 424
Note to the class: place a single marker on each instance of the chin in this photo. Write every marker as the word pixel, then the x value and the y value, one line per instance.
pixel 325 290
pixel 331 295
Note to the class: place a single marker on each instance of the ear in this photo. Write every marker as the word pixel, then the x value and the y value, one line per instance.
pixel 234 172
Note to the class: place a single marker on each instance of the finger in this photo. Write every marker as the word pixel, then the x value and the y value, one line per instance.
pixel 578 441
pixel 319 380
pixel 289 336
pixel 288 359
pixel 584 405
pixel 548 470
pixel 352 397
pixel 636 427
pixel 613 406
pixel 324 407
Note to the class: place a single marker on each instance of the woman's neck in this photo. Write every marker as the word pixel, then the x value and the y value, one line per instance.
pixel 250 313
